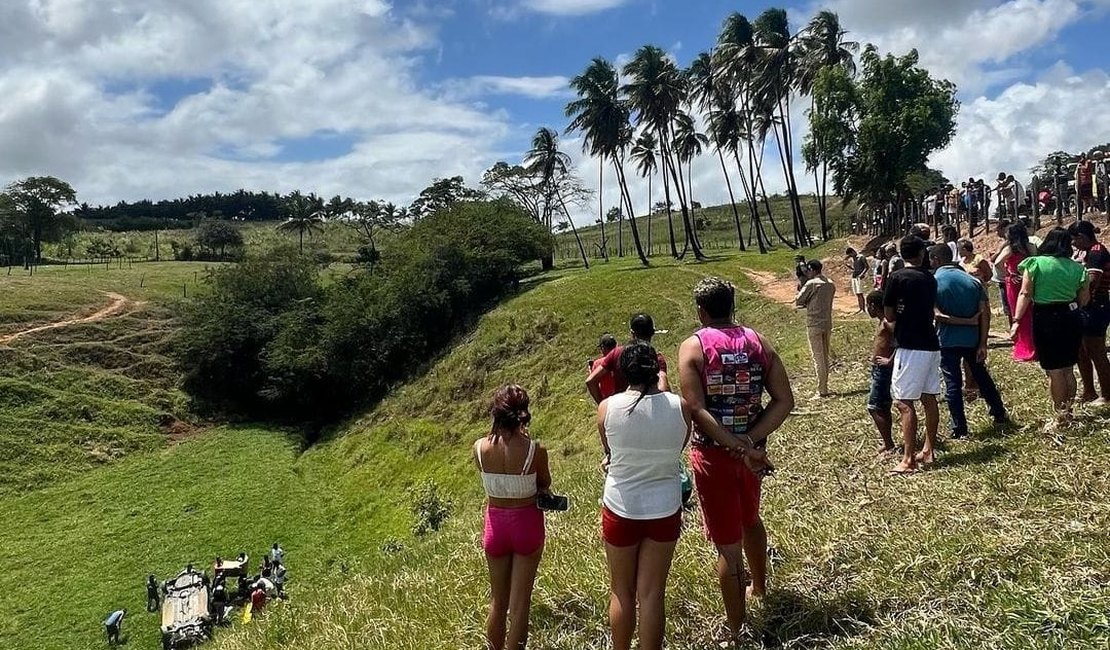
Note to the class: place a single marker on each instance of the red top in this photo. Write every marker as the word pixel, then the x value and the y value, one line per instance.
pixel 1086 172
pixel 258 599
pixel 607 383
pixel 612 363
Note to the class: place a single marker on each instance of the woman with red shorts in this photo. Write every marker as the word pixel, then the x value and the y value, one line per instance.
pixel 644 431
pixel 514 470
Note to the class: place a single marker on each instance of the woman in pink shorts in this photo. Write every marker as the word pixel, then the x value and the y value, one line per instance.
pixel 514 470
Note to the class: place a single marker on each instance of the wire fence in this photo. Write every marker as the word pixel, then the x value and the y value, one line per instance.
pixel 712 241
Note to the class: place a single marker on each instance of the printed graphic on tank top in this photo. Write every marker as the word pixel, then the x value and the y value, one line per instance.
pixel 733 379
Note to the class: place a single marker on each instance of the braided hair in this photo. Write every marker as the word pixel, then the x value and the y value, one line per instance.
pixel 509 411
pixel 640 366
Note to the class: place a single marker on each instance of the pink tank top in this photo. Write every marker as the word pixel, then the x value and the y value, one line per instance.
pixel 733 379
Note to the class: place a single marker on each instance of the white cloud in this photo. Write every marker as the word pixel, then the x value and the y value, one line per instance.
pixel 962 40
pixel 279 70
pixel 1013 131
pixel 572 7
pixel 551 87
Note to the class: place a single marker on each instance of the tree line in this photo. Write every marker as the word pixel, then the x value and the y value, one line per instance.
pixel 870 129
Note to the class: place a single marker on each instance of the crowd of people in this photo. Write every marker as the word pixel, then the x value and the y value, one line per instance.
pixel 268 582
pixel 933 314
pixel 735 394
pixel 933 310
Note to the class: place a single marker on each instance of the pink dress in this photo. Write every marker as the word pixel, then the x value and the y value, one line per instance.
pixel 1023 345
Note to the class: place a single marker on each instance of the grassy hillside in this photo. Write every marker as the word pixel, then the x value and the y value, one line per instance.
pixel 80 397
pixel 718 234
pixel 1002 544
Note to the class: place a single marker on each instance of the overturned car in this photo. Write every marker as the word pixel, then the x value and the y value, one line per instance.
pixel 186 620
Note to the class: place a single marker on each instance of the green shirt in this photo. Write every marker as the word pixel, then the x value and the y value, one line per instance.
pixel 1055 279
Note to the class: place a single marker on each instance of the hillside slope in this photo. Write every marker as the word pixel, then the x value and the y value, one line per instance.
pixel 1002 544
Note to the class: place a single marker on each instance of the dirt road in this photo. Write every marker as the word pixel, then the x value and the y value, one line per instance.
pixel 782 290
pixel 117 306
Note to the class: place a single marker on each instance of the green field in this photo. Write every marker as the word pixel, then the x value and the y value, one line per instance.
pixel 717 234
pixel 1002 545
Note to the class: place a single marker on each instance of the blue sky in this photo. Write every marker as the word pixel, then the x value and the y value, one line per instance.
pixel 374 99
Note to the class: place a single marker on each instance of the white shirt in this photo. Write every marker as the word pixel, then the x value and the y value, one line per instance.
pixel 277 554
pixel 645 462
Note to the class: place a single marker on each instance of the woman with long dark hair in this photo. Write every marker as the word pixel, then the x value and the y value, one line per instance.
pixel 1017 249
pixel 514 471
pixel 643 431
pixel 1053 288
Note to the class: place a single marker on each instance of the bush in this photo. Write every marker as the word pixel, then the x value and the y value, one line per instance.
pixel 270 339
pixel 429 509
pixel 228 330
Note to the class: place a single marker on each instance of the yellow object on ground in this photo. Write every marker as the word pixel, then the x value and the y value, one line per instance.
pixel 247 613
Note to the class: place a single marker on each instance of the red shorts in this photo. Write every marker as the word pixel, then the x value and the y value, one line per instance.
pixel 618 531
pixel 728 493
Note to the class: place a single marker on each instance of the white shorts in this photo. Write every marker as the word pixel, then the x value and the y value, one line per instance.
pixel 916 373
pixel 857 286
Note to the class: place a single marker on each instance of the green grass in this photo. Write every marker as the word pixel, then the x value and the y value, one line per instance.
pixel 81 397
pixel 336 238
pixel 718 235
pixel 1002 545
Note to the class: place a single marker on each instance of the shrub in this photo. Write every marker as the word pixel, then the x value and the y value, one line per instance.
pixel 429 509
pixel 229 328
pixel 270 339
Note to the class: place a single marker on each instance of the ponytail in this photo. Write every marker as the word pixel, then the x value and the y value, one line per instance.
pixel 639 363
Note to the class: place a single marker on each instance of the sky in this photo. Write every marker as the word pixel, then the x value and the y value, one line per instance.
pixel 155 99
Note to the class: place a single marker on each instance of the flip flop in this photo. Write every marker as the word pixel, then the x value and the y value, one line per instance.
pixel 894 471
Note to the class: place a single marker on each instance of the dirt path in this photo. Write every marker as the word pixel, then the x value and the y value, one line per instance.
pixel 782 290
pixel 117 305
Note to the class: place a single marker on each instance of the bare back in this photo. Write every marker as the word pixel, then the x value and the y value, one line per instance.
pixel 509 456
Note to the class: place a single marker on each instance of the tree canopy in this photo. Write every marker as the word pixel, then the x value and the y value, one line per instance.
pixel 904 115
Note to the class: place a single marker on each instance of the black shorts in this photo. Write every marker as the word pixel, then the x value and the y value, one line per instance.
pixel 1096 320
pixel 1057 335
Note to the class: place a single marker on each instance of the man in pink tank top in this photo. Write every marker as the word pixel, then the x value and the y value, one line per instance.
pixel 725 371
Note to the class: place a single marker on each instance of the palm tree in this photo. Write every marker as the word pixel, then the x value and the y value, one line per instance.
pixel 645 155
pixel 736 57
pixel 777 71
pixel 546 162
pixel 657 90
pixel 602 116
pixel 689 144
pixel 713 95
pixel 823 45
pixel 304 214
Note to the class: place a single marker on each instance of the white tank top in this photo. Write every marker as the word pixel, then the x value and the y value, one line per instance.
pixel 509 486
pixel 645 462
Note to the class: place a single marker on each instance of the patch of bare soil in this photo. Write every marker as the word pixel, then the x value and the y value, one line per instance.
pixel 177 431
pixel 117 306
pixel 783 289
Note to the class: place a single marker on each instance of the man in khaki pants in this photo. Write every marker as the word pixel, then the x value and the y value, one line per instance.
pixel 816 297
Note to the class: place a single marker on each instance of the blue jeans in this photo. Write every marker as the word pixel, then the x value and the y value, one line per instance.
pixel 951 360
